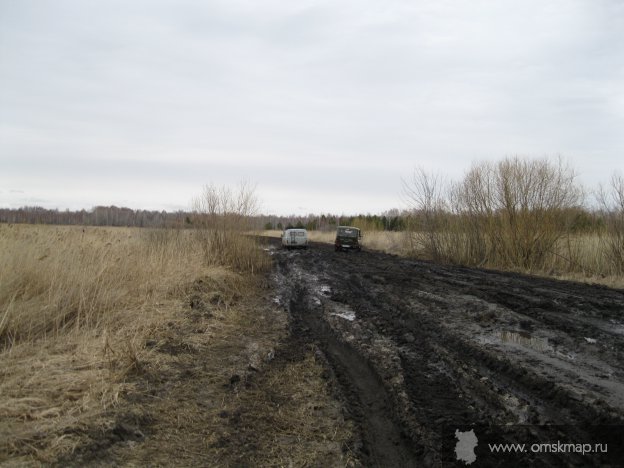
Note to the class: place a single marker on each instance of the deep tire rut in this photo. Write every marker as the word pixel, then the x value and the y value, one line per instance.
pixel 383 443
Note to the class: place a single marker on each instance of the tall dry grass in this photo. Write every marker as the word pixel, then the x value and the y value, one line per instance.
pixel 578 257
pixel 76 308
pixel 57 279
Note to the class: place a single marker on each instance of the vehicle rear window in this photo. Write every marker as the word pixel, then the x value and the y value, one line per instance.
pixel 347 232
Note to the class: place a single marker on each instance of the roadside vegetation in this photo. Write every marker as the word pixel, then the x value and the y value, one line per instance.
pixel 519 214
pixel 95 318
pixel 526 215
pixel 76 308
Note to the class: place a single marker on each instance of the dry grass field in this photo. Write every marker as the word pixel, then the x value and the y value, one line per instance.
pixel 102 329
pixel 76 306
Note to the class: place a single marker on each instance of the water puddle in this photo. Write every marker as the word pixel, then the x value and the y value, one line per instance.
pixel 270 249
pixel 350 316
pixel 344 313
pixel 524 339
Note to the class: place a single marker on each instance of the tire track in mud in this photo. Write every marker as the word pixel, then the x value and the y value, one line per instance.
pixel 430 350
pixel 382 442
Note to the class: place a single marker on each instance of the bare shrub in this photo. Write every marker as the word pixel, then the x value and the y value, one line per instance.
pixel 222 216
pixel 521 207
pixel 506 214
pixel 611 201
pixel 426 193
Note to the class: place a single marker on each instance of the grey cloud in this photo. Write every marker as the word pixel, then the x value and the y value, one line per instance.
pixel 337 178
pixel 390 84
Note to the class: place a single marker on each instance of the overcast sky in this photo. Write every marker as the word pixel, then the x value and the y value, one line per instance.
pixel 325 105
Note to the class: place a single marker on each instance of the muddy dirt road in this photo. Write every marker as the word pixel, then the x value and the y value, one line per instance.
pixel 420 351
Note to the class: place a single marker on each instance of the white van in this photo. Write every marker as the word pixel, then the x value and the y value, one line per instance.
pixel 295 238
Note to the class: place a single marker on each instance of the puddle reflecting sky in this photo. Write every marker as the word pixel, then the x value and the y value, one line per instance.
pixel 524 339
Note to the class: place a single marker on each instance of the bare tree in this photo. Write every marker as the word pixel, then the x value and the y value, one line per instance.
pixel 611 201
pixel 426 195
pixel 221 215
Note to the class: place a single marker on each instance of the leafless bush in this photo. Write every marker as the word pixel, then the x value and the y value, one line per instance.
pixel 426 193
pixel 507 214
pixel 611 201
pixel 520 207
pixel 223 216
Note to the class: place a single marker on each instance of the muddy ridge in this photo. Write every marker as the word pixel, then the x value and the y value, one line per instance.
pixel 420 351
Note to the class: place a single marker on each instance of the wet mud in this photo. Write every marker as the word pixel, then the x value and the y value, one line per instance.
pixel 419 351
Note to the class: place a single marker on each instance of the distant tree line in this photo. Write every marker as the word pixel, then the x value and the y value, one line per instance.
pixel 97 216
pixel 392 220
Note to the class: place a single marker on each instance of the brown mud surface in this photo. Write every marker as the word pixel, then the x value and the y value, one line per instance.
pixel 420 350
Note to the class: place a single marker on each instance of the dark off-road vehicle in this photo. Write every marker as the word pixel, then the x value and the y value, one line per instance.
pixel 348 238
